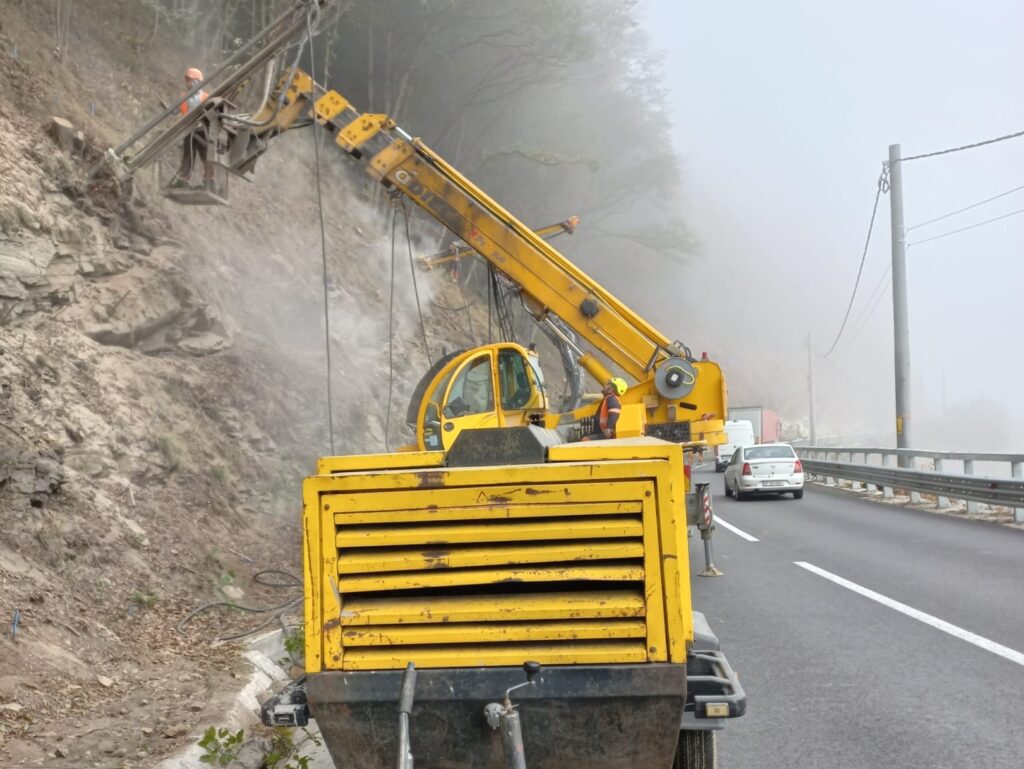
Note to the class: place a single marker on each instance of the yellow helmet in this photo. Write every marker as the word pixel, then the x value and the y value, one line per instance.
pixel 619 384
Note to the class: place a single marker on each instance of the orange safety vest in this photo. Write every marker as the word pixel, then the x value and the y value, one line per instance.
pixel 605 409
pixel 184 105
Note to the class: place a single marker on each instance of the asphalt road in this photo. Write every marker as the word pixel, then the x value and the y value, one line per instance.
pixel 838 680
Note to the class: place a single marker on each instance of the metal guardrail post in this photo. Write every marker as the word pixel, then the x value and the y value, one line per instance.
pixel 888 460
pixel 915 496
pixel 857 485
pixel 933 477
pixel 1017 469
pixel 972 507
pixel 943 502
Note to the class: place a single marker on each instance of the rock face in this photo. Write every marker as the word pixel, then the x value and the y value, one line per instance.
pixel 161 398
pixel 38 476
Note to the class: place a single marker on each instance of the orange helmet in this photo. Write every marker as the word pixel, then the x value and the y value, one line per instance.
pixel 193 73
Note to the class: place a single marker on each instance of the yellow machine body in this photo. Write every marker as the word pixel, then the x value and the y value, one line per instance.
pixel 581 559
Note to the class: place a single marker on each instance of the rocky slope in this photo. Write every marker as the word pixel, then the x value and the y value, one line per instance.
pixel 161 397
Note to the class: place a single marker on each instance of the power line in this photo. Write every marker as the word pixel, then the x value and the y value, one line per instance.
pixel 864 310
pixel 966 208
pixel 323 238
pixel 883 186
pixel 963 147
pixel 964 229
pixel 862 322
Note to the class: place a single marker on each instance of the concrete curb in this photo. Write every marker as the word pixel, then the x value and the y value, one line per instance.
pixel 245 707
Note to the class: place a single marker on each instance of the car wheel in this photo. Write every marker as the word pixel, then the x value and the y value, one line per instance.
pixel 728 491
pixel 740 495
pixel 798 494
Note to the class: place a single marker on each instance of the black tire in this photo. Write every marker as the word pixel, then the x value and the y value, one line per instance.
pixel 798 494
pixel 697 750
pixel 719 469
pixel 728 491
pixel 740 495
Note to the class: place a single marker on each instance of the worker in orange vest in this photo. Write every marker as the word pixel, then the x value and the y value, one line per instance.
pixel 611 407
pixel 195 142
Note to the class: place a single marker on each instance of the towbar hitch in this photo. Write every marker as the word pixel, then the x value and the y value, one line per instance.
pixel 503 716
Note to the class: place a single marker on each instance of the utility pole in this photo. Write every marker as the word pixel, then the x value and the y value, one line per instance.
pixel 810 389
pixel 901 331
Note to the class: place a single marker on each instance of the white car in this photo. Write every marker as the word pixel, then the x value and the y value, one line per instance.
pixel 770 468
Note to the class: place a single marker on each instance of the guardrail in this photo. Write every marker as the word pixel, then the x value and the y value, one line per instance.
pixel 934 479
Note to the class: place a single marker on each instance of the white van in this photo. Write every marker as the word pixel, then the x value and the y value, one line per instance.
pixel 738 435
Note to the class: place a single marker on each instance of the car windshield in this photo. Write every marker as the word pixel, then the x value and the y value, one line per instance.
pixel 769 452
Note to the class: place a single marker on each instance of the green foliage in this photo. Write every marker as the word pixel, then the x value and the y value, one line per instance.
pixel 168 448
pixel 220 746
pixel 295 642
pixel 282 744
pixel 219 473
pixel 143 599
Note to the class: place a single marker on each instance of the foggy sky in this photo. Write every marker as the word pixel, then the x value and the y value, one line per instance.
pixel 783 113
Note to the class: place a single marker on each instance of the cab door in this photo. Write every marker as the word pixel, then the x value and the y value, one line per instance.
pixel 469 402
pixel 519 386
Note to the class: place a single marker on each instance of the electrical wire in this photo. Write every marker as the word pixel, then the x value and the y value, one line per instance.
pixel 415 284
pixel 966 208
pixel 323 244
pixel 883 186
pixel 963 147
pixel 864 311
pixel 276 612
pixel 872 304
pixel 969 227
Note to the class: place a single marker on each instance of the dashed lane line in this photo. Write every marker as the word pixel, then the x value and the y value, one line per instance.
pixel 735 529
pixel 957 632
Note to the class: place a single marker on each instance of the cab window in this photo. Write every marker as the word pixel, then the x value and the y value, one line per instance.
pixel 472 391
pixel 514 380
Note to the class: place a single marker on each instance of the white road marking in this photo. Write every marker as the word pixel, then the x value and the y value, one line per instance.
pixel 735 530
pixel 957 632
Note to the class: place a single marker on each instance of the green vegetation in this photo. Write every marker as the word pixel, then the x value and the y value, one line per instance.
pixel 295 642
pixel 220 746
pixel 143 599
pixel 168 448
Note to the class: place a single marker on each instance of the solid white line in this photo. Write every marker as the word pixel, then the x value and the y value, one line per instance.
pixel 735 530
pixel 958 632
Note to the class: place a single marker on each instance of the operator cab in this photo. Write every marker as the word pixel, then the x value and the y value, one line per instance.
pixel 498 385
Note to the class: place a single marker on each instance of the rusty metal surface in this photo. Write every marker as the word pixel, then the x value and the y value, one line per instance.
pixel 579 717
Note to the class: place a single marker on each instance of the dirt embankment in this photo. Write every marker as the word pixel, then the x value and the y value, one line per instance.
pixel 161 396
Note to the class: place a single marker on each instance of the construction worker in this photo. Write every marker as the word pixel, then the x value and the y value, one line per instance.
pixel 195 142
pixel 611 407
